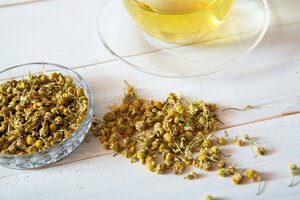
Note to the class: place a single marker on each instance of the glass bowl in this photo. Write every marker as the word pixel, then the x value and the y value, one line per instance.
pixel 67 146
pixel 242 30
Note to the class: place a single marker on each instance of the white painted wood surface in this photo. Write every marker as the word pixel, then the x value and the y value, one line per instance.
pixel 64 32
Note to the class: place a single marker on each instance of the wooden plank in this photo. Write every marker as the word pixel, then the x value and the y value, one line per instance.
pixel 108 177
pixel 224 92
pixel 253 83
pixel 55 31
pixel 250 82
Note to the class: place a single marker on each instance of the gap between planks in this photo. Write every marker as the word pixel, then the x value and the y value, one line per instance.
pixel 116 59
pixel 111 153
pixel 261 120
pixel 19 3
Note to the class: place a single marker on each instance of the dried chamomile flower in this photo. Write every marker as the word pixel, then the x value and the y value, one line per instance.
pixel 224 172
pixel 141 154
pixel 230 170
pixel 237 178
pixel 222 141
pixel 261 151
pixel 151 165
pixel 110 116
pixel 221 164
pixel 208 197
pixel 96 126
pixel 251 141
pixel 191 176
pixel 250 174
pixel 238 142
pixel 254 175
pixel 160 168
pixel 207 143
pixel 294 172
pixel 178 167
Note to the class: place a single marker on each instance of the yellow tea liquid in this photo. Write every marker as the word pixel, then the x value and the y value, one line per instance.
pixel 179 21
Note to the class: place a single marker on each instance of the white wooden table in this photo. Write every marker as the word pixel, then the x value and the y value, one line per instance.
pixel 64 32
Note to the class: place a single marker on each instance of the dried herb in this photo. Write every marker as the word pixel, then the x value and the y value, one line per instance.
pixel 294 172
pixel 238 142
pixel 248 107
pixel 39 112
pixel 251 141
pixel 174 130
pixel 252 176
pixel 171 134
pixel 237 178
pixel 191 176
pixel 208 197
pixel 229 171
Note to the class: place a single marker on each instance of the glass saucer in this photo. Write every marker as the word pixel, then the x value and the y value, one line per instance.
pixel 242 30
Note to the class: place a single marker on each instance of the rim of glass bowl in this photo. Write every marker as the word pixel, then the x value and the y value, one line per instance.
pixel 226 65
pixel 85 121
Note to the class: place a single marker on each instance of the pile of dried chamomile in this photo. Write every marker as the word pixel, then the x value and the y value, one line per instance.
pixel 169 135
pixel 39 112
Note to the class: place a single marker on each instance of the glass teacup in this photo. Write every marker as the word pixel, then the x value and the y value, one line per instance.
pixel 201 36
pixel 179 21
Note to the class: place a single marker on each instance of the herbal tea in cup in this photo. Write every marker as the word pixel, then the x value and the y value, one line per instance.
pixel 179 21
